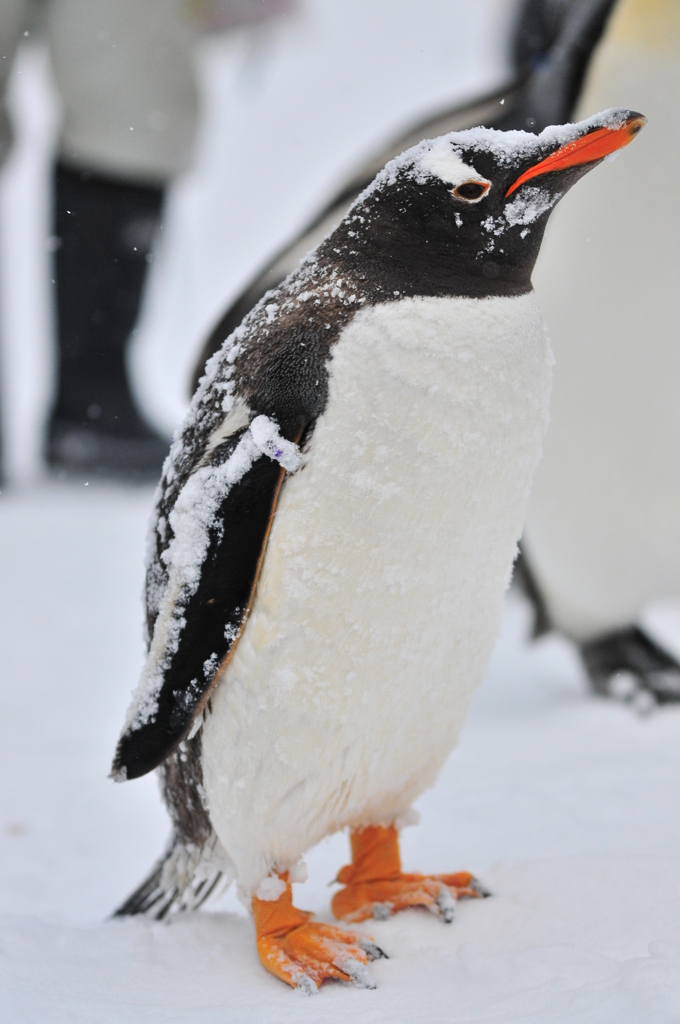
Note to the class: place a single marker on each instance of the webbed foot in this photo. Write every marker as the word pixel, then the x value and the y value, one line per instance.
pixel 305 953
pixel 629 666
pixel 375 886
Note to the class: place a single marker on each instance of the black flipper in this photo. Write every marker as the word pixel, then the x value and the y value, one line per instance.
pixel 211 618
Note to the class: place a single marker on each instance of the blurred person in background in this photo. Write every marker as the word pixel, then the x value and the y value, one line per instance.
pixel 124 74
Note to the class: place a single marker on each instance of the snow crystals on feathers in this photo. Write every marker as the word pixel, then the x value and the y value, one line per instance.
pixel 191 519
pixel 195 483
pixel 530 204
pixel 442 157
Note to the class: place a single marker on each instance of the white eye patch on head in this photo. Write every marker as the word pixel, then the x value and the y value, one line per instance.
pixel 442 161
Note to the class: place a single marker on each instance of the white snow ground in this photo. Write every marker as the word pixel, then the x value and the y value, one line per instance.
pixel 564 805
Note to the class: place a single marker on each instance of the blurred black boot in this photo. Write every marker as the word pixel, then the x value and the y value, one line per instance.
pixel 105 230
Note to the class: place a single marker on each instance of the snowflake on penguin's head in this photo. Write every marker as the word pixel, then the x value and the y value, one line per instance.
pixel 437 157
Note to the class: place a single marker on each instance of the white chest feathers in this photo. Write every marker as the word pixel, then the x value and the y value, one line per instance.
pixel 382 587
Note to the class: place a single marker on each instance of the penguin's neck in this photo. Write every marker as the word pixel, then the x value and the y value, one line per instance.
pixel 392 258
pixel 431 267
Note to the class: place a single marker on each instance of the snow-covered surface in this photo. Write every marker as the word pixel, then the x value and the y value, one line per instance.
pixel 565 806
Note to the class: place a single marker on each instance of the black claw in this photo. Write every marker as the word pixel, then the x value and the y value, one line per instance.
pixel 372 951
pixel 480 889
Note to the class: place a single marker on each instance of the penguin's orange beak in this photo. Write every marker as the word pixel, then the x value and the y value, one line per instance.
pixel 587 150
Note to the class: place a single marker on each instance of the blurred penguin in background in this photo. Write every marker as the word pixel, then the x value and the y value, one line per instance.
pixel 602 537
pixel 123 71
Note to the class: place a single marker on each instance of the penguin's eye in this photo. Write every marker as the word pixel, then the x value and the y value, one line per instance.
pixel 471 191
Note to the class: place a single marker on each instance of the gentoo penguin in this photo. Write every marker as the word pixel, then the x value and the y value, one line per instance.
pixel 602 539
pixel 335 529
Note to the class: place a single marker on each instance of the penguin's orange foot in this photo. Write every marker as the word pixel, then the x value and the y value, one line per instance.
pixel 381 899
pixel 375 885
pixel 305 953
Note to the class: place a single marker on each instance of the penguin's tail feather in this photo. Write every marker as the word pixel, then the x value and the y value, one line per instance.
pixel 182 879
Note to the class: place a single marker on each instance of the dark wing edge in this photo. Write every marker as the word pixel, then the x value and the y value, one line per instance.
pixel 214 618
pixel 524 580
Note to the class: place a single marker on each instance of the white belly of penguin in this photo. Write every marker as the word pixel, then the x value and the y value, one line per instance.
pixel 382 587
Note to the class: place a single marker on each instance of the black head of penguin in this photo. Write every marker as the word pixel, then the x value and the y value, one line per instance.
pixel 465 214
